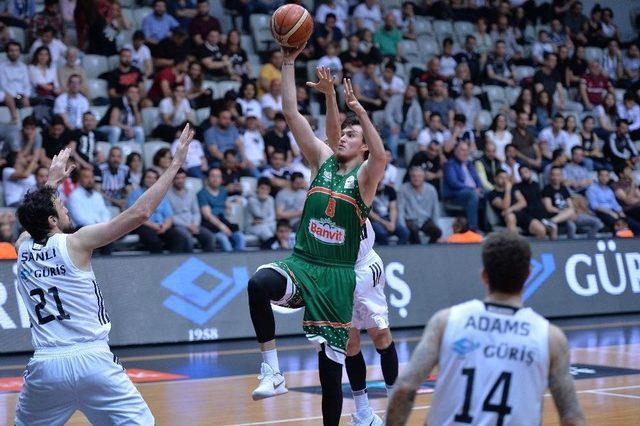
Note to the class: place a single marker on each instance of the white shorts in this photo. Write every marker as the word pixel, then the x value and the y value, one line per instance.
pixel 85 377
pixel 369 302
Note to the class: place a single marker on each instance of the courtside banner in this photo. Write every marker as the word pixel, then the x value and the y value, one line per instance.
pixel 183 298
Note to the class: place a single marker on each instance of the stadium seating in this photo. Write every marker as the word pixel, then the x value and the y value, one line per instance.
pixel 94 65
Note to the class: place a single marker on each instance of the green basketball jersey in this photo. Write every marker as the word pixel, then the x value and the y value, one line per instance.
pixel 332 218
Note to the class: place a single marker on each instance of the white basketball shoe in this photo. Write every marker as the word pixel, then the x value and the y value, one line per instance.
pixel 271 383
pixel 371 419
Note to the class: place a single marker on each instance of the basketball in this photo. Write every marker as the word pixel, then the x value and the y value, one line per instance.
pixel 291 25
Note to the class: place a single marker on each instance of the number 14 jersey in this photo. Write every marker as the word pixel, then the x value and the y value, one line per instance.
pixel 494 366
pixel 65 304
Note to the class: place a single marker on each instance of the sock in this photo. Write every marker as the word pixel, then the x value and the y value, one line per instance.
pixel 389 364
pixel 357 372
pixel 271 357
pixel 331 383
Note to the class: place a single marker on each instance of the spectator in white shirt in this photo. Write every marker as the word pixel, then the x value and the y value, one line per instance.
pixel 254 149
pixel 86 205
pixel 436 131
pixel 553 137
pixel 630 111
pixel 290 201
pixel 499 135
pixel 391 84
pixel 249 105
pixel 367 15
pixel 338 7
pixel 173 112
pixel 56 47
pixel 15 87
pixel 18 177
pixel 141 54
pixel 272 101
pixel 72 104
pixel 44 77
pixel 469 106
pixel 262 211
pixel 332 61
pixel 196 164
pixel 541 46
pixel 447 63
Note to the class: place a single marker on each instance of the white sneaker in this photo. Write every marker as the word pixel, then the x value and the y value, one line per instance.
pixel 271 383
pixel 371 419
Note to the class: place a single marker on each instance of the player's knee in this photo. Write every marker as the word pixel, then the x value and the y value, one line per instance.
pixel 353 345
pixel 382 339
pixel 256 286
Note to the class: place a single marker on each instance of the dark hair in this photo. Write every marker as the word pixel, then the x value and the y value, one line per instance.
pixel 629 96
pixel 29 120
pixel 35 210
pixel 586 117
pixel 460 118
pixel 296 175
pixel 461 224
pixel 330 15
pixel 47 29
pixel 283 223
pixel 575 148
pixel 57 120
pixel 390 66
pixel 181 171
pixel 144 175
pixel 34 59
pixel 555 168
pixel 558 115
pixel 447 41
pixel 557 153
pixel 245 85
pixel 230 151
pixel 506 258
pixel 279 116
pixel 159 154
pixel 620 121
pixel 494 123
pixel 12 43
pixel 264 181
pixel 601 169
pixel 500 171
pixel 138 35
pixel 131 156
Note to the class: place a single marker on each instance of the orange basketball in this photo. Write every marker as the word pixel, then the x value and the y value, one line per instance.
pixel 291 25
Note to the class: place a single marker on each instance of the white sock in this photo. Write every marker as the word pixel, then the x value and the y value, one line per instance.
pixel 361 399
pixel 389 390
pixel 271 358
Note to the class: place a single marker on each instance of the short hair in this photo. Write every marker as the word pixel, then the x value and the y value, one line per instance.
pixel 435 114
pixel 138 35
pixel 296 175
pixel 350 121
pixel 555 168
pixel 558 115
pixel 228 152
pixel 181 57
pixel 461 224
pixel 12 43
pixel 460 118
pixel 330 15
pixel 506 258
pixel 279 116
pixel 33 213
pixel 586 117
pixel 158 1
pixel 557 153
pixel 447 41
pixel 499 172
pixel 264 181
pixel 181 171
pixel 602 169
pixel 629 96
pixel 57 120
pixel 29 121
pixel 620 121
pixel 390 66
pixel 575 148
pixel 283 223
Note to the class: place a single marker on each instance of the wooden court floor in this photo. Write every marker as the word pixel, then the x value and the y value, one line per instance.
pixel 226 400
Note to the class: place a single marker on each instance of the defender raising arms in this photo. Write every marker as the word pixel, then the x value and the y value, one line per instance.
pixel 495 357
pixel 72 367
pixel 320 275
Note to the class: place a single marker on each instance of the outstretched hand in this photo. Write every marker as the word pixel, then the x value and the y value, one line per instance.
pixel 350 97
pixel 291 53
pixel 58 171
pixel 183 146
pixel 325 81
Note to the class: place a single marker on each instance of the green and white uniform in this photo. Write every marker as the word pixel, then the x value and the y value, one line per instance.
pixel 321 271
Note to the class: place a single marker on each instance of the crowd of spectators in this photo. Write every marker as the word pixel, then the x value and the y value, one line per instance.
pixel 500 113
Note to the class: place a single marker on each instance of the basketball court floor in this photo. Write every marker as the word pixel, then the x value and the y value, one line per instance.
pixel 211 383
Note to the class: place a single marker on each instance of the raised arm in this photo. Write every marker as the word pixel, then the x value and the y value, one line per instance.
pixel 86 239
pixel 561 381
pixel 423 360
pixel 372 171
pixel 313 149
pixel 325 85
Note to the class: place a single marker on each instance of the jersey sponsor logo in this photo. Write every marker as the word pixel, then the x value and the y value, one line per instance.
pixel 43 272
pixel 326 231
pixel 520 353
pixel 464 346
pixel 350 183
pixel 327 175
pixel 498 325
pixel 39 256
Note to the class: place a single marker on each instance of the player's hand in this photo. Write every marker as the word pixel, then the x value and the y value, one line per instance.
pixel 350 97
pixel 183 147
pixel 291 53
pixel 59 170
pixel 325 81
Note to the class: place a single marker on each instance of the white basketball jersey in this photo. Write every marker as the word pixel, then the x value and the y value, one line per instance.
pixel 65 303
pixel 494 364
pixel 367 239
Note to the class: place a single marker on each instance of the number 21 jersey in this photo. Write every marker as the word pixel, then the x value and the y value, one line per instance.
pixel 65 304
pixel 494 366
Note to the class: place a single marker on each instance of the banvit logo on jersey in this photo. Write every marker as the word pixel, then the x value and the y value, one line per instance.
pixel 192 300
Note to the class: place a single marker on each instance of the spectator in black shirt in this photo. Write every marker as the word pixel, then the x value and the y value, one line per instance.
pixel 212 58
pixel 429 160
pixel 557 201
pixel 384 216
pixel 124 76
pixel 277 172
pixel 499 67
pixel 284 238
pixel 488 166
pixel 547 78
pixel 577 67
pixel 56 138
pixel 231 170
pixel 531 213
pixel 620 150
pixel 277 138
pixel 502 198
pixel 353 60
pixel 123 119
pixel 242 70
pixel 471 57
pixel 170 48
pixel 325 35
pixel 83 142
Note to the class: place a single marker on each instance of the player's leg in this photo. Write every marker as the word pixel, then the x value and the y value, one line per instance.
pixel 106 394
pixel 265 286
pixel 46 398
pixel 331 382
pixel 388 356
pixel 357 372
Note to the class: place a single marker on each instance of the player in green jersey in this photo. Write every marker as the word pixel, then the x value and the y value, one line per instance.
pixel 320 275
